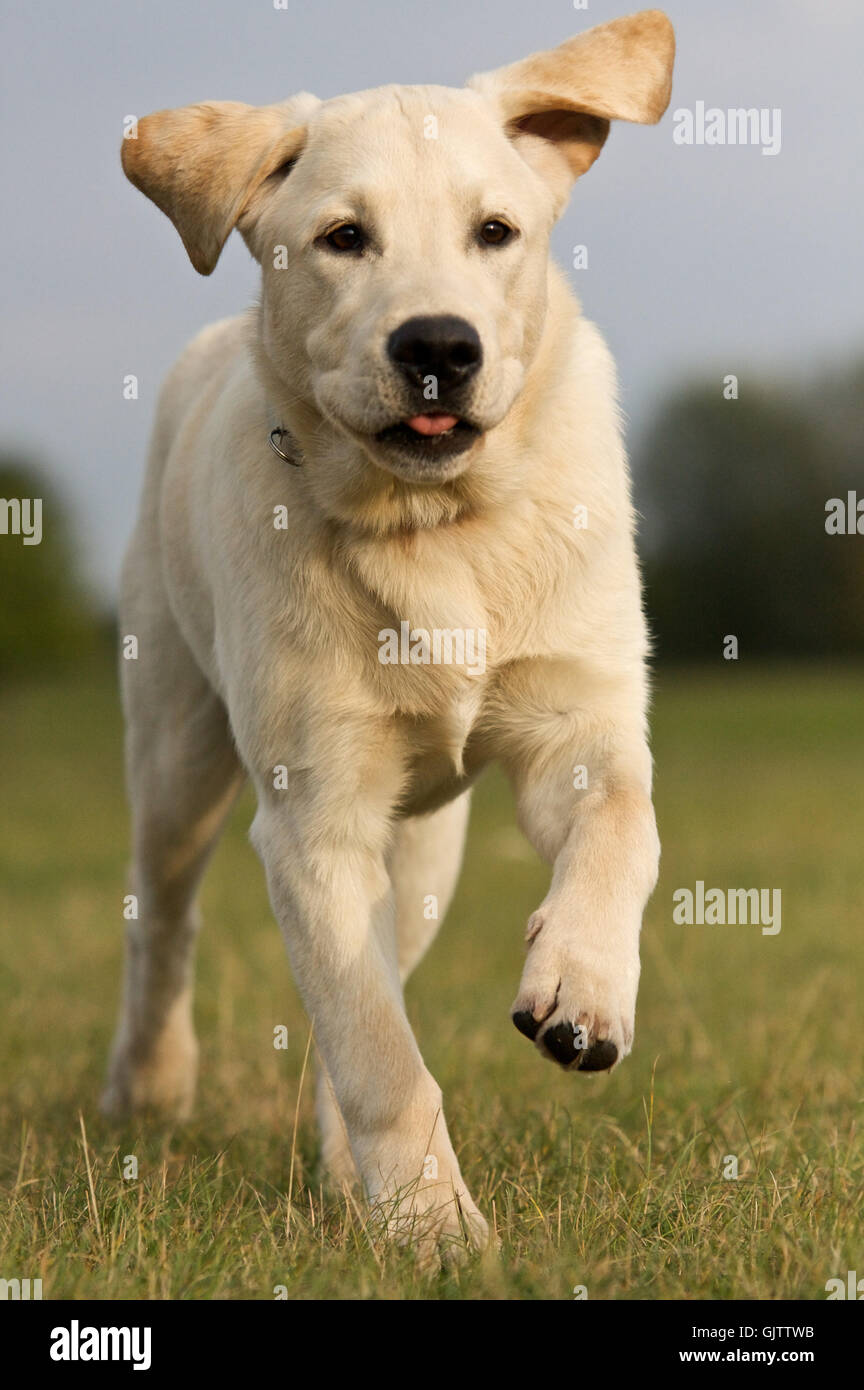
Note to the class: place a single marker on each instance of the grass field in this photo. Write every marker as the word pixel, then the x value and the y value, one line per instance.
pixel 746 1044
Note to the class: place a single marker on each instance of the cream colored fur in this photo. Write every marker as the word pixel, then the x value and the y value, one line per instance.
pixel 258 643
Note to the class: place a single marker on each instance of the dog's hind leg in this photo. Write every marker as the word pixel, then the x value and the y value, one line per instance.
pixel 425 864
pixel 183 776
pixel 424 867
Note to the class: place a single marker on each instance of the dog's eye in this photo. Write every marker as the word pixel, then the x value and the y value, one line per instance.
pixel 285 169
pixel 495 233
pixel 348 237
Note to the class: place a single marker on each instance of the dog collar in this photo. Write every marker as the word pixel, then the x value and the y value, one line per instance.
pixel 279 440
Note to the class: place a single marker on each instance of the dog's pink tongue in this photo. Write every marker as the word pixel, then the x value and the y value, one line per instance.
pixel 432 424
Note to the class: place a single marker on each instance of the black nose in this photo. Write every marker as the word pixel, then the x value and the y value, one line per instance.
pixel 444 347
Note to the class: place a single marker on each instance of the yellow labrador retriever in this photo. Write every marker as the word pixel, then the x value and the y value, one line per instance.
pixel 386 537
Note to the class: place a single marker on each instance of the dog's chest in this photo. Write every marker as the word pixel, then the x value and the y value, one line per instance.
pixel 442 759
pixel 427 612
pixel 438 707
pixel 446 734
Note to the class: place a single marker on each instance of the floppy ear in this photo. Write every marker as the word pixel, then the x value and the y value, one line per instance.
pixel 557 105
pixel 202 164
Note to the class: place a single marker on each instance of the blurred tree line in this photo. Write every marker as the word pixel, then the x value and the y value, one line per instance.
pixel 732 495
pixel 48 618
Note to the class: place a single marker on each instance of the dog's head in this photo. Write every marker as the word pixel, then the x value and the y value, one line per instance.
pixel 402 232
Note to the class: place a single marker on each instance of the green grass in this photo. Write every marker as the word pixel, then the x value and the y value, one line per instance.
pixel 746 1044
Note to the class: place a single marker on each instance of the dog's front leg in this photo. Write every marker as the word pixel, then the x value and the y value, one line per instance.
pixel 583 784
pixel 323 842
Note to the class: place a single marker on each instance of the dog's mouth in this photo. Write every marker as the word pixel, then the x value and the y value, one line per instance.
pixel 431 437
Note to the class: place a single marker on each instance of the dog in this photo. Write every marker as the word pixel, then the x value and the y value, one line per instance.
pixel 408 451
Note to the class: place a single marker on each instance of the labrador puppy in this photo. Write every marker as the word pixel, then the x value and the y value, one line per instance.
pixel 386 538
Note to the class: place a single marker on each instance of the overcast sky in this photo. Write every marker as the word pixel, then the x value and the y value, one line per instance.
pixel 702 259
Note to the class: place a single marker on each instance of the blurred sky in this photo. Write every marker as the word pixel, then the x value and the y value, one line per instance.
pixel 701 259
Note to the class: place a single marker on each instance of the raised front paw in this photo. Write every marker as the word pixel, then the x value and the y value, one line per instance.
pixel 577 997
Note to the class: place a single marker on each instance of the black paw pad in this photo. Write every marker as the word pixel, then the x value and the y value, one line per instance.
pixel 562 1042
pixel 600 1056
pixel 526 1023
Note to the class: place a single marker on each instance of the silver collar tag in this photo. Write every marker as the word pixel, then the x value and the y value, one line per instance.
pixel 276 438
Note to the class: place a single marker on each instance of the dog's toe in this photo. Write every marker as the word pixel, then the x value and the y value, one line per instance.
pixel 600 1056
pixel 567 1045
pixel 561 1041
pixel 527 1023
